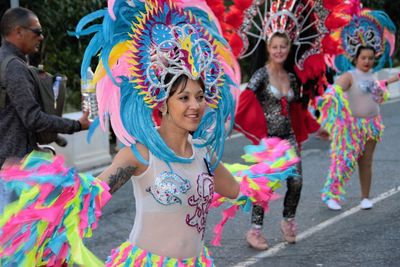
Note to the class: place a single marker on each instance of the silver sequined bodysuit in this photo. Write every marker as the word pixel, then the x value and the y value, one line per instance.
pixel 277 113
pixel 278 120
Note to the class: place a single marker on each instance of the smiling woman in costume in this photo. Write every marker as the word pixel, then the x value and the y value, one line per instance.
pixel 154 58
pixel 359 43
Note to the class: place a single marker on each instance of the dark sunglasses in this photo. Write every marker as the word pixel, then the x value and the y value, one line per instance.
pixel 38 32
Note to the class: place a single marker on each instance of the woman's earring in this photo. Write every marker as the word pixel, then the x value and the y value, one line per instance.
pixel 164 109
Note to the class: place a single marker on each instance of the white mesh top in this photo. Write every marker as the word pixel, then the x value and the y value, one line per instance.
pixel 172 206
pixel 359 95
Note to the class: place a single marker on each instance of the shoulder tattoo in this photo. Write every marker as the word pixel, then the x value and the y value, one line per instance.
pixel 121 176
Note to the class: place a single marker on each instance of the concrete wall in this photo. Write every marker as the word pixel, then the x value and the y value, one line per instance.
pixel 92 157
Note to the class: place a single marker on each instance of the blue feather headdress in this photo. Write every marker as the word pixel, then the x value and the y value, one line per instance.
pixel 352 26
pixel 138 44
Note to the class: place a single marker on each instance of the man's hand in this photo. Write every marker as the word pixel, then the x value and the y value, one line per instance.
pixel 84 120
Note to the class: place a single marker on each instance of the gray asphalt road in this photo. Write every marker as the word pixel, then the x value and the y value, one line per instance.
pixel 350 237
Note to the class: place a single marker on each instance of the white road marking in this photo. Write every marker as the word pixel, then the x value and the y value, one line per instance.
pixel 278 247
pixel 234 136
pixel 396 99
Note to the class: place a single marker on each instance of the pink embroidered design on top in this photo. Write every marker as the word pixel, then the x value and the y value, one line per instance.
pixel 205 192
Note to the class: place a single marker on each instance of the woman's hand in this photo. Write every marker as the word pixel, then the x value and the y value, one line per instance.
pixel 322 134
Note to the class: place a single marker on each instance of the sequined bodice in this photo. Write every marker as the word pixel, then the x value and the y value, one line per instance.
pixel 172 204
pixel 361 94
pixel 278 120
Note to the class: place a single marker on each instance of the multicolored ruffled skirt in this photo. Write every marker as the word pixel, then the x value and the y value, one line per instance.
pixel 129 255
pixel 348 138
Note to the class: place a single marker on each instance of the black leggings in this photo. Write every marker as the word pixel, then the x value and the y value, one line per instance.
pixel 292 196
pixel 290 203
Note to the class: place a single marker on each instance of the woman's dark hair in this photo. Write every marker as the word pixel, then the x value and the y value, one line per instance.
pixel 363 47
pixel 180 83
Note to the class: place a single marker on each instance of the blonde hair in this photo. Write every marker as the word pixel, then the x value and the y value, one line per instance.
pixel 280 34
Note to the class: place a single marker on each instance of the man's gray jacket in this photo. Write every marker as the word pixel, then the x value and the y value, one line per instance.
pixel 22 115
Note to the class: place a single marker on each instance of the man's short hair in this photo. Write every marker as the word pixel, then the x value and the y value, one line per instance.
pixel 13 17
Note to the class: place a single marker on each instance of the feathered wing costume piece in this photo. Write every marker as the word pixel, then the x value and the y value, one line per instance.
pixel 142 45
pixel 57 208
pixel 351 26
pixel 348 137
pixel 380 92
pixel 273 161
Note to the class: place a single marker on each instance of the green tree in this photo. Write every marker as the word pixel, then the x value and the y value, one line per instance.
pixel 61 52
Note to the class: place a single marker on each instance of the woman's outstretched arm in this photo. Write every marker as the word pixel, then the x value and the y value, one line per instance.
pixel 225 183
pixel 344 81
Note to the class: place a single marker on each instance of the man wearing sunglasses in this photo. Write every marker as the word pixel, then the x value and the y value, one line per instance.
pixel 20 113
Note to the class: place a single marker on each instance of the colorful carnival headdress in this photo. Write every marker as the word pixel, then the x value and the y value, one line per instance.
pixel 173 50
pixel 247 22
pixel 144 47
pixel 285 17
pixel 352 26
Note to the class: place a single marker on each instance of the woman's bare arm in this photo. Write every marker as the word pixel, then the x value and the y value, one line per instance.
pixel 393 79
pixel 121 170
pixel 344 81
pixel 225 183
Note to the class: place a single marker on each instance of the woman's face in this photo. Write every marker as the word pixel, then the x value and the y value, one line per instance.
pixel 186 106
pixel 365 60
pixel 278 49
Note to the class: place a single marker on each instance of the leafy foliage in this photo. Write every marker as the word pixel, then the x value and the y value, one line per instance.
pixel 61 53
